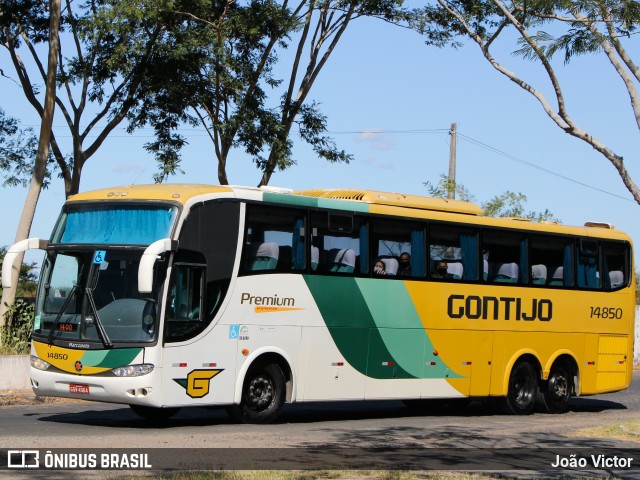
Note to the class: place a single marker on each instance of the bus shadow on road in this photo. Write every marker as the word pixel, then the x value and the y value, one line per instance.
pixel 120 417
pixel 586 404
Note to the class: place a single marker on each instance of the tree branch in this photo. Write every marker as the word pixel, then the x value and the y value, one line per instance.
pixel 610 52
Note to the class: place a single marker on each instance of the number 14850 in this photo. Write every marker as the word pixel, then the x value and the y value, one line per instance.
pixel 606 312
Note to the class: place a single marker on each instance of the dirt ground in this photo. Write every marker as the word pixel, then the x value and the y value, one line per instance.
pixel 27 397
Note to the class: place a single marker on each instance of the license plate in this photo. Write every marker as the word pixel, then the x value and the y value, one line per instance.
pixel 75 388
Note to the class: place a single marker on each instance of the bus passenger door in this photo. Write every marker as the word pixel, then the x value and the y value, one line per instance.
pixel 327 375
pixel 482 363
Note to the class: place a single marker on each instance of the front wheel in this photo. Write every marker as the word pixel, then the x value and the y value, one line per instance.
pixel 556 391
pixel 522 390
pixel 153 413
pixel 263 395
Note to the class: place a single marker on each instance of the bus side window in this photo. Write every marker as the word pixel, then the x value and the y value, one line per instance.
pixel 274 240
pixel 184 309
pixel 340 243
pixel 506 255
pixel 616 265
pixel 551 261
pixel 400 245
pixel 457 247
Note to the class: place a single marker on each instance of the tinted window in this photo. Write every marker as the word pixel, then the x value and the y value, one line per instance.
pixel 338 245
pixel 453 252
pixel 274 240
pixel 551 261
pixel 203 266
pixel 616 265
pixel 400 246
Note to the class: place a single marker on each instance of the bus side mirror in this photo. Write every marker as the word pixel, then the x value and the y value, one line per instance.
pixel 149 316
pixel 13 252
pixel 149 257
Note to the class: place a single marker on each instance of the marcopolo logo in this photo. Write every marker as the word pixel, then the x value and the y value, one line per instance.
pixel 23 459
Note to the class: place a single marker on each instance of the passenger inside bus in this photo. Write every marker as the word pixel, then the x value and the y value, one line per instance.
pixel 379 268
pixel 404 270
pixel 441 270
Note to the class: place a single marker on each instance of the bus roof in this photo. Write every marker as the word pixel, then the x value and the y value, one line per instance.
pixel 395 199
pixel 357 200
pixel 178 192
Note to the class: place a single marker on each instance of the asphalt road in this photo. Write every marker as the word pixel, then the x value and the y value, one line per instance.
pixel 329 427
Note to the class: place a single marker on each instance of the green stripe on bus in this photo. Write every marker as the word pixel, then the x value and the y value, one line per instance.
pixel 110 358
pixel 400 327
pixel 352 327
pixel 313 202
pixel 397 321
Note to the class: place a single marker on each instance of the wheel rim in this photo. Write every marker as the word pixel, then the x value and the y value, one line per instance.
pixel 260 393
pixel 558 388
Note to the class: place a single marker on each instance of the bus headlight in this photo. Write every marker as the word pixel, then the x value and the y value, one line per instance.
pixel 133 370
pixel 38 363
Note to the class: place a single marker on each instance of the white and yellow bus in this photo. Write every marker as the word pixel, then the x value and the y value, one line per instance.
pixel 169 296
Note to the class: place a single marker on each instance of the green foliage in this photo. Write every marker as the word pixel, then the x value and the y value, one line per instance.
pixel 214 65
pixel 107 50
pixel 507 204
pixel 16 331
pixel 166 63
pixel 571 22
pixel 511 204
pixel 444 186
pixel 18 147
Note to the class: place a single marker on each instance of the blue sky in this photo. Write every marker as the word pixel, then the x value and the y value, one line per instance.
pixel 390 101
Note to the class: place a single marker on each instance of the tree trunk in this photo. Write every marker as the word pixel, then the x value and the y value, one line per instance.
pixel 37 178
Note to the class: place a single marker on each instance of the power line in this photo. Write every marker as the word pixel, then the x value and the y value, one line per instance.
pixel 200 132
pixel 538 167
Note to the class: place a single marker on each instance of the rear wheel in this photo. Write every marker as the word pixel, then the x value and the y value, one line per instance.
pixel 153 413
pixel 263 395
pixel 522 390
pixel 556 391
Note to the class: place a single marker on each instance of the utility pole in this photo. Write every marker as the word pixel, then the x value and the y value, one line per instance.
pixel 451 184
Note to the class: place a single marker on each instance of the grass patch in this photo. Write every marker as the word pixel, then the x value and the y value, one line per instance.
pixel 9 350
pixel 629 431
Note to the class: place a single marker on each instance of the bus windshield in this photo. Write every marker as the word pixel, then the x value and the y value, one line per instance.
pixel 132 224
pixel 92 296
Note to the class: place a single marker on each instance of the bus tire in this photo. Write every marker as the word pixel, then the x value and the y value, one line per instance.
pixel 263 395
pixel 556 391
pixel 522 390
pixel 154 413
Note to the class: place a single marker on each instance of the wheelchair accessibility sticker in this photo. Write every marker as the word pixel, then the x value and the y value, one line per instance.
pixel 234 332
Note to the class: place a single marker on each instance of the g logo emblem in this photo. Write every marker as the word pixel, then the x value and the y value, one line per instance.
pixel 78 366
pixel 197 382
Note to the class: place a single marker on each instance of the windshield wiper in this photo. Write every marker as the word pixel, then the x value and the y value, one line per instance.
pixel 60 313
pixel 102 333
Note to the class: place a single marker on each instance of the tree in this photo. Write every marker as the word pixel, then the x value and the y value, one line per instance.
pixel 507 204
pixel 227 77
pixel 18 148
pixel 103 62
pixel 578 27
pixel 40 165
pixel 92 95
